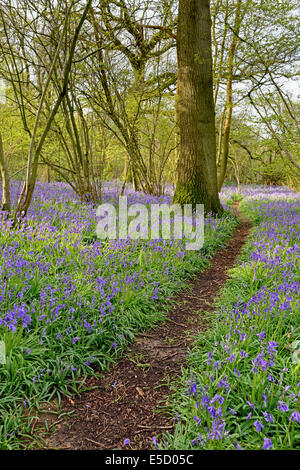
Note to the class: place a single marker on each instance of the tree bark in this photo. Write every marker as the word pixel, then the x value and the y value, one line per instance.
pixel 229 103
pixel 5 204
pixel 196 169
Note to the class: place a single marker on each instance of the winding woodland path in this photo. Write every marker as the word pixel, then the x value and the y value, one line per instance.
pixel 128 401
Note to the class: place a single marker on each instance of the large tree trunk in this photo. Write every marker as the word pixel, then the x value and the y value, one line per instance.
pixel 196 170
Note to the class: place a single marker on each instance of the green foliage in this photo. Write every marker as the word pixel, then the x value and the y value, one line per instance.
pixel 68 338
pixel 241 386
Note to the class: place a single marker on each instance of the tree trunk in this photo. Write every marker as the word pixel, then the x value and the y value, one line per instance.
pixel 5 204
pixel 229 104
pixel 36 149
pixel 196 169
pixel 227 128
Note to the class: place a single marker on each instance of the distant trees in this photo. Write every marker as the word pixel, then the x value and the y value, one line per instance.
pixel 228 105
pixel 96 90
pixel 131 80
pixel 20 22
pixel 255 44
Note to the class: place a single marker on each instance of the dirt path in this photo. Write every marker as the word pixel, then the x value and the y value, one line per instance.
pixel 126 401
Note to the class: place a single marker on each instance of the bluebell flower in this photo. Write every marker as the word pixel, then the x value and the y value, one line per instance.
pixel 267 443
pixel 258 425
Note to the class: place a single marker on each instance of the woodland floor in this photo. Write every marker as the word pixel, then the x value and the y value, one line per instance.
pixel 129 400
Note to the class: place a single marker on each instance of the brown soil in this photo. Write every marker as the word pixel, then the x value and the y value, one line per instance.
pixel 128 401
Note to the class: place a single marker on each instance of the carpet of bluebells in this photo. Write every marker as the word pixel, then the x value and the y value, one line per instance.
pixel 241 389
pixel 69 303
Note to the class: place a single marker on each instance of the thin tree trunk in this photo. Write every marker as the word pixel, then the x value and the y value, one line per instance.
pixel 35 151
pixel 196 170
pixel 229 104
pixel 5 204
